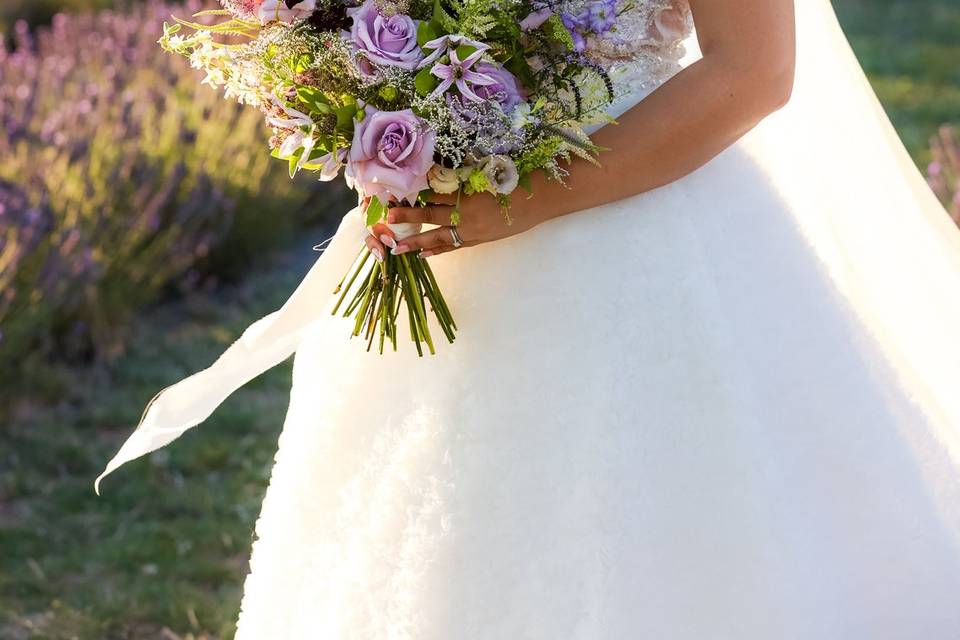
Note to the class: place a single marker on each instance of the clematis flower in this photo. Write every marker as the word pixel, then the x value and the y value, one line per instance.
pixel 459 73
pixel 448 43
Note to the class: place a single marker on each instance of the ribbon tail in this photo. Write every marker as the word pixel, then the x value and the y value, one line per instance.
pixel 263 345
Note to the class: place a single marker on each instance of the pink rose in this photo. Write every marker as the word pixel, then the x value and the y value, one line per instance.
pixel 391 154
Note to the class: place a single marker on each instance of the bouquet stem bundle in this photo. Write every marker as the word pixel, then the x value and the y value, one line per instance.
pixel 381 290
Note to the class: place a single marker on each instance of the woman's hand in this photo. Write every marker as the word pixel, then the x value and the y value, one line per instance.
pixel 746 72
pixel 481 220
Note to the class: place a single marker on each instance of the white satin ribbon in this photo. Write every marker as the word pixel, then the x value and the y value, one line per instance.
pixel 263 345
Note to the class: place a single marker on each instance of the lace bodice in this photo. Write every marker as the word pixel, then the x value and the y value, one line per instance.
pixel 647 44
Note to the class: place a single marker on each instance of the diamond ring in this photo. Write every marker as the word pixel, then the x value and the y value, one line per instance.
pixel 457 242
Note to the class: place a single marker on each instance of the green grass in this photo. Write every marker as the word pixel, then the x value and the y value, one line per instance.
pixel 166 545
pixel 909 49
pixel 167 542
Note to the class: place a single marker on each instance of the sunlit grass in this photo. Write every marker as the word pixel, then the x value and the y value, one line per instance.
pixel 909 50
pixel 166 544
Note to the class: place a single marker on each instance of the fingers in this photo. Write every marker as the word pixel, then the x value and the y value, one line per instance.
pixel 431 214
pixel 443 198
pixel 375 246
pixel 426 253
pixel 384 234
pixel 427 240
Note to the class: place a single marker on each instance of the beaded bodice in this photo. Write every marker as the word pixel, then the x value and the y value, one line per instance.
pixel 646 46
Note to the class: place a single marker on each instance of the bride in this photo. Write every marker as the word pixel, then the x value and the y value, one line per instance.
pixel 706 392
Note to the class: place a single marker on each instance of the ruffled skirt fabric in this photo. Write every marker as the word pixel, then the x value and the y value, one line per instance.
pixel 681 415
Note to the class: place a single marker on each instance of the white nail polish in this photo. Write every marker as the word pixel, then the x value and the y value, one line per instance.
pixel 377 254
pixel 387 240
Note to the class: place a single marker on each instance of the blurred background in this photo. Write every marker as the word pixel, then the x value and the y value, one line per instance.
pixel 142 227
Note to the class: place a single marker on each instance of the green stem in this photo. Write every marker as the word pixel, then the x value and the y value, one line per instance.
pixel 417 301
pixel 361 316
pixel 436 290
pixel 356 272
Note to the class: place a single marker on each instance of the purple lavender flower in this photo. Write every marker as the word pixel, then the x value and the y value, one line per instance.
pixel 595 18
pixel 488 127
pixel 943 174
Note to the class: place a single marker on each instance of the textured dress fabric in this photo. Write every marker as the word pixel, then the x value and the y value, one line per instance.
pixel 721 409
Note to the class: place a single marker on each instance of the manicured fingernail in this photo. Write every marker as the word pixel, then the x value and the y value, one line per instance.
pixel 426 254
pixel 377 253
pixel 400 248
pixel 387 240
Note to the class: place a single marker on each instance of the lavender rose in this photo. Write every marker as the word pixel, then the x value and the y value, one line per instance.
pixel 390 41
pixel 505 90
pixel 391 154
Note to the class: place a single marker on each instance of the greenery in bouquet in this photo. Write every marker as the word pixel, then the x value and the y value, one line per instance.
pixel 411 98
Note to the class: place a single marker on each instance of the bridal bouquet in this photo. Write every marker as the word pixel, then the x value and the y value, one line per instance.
pixel 412 98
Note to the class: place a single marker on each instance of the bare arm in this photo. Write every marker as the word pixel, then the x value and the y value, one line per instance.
pixel 746 73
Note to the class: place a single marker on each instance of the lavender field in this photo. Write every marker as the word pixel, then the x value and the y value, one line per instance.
pixel 142 226
pixel 122 179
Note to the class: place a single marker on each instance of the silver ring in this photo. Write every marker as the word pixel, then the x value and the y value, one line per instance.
pixel 457 242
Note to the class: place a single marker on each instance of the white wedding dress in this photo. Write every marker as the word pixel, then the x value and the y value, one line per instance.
pixel 723 409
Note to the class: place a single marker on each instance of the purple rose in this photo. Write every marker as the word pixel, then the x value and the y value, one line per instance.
pixel 391 154
pixel 386 41
pixel 506 90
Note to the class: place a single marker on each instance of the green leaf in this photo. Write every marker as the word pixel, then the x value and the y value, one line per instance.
pixel 375 211
pixel 524 182
pixel 446 22
pixel 425 82
pixel 557 31
pixel 314 99
pixel 465 50
pixel 293 161
pixel 345 116
pixel 426 32
pixel 518 66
